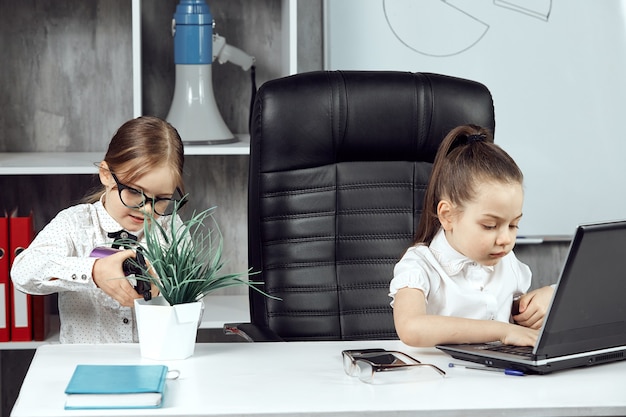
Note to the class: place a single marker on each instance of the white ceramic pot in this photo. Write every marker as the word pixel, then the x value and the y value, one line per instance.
pixel 167 332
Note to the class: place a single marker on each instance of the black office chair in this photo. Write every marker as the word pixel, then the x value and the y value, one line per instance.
pixel 339 161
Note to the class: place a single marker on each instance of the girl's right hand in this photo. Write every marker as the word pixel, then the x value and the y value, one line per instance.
pixel 519 335
pixel 109 277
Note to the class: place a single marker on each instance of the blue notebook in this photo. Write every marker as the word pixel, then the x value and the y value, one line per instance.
pixel 116 386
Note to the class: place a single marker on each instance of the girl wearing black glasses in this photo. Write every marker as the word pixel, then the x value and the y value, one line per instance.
pixel 141 173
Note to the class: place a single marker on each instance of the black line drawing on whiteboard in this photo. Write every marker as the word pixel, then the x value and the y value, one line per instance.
pixel 423 26
pixel 539 9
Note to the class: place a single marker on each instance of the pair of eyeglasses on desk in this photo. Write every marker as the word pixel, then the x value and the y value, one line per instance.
pixel 366 363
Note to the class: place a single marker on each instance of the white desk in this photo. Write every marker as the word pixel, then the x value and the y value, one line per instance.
pixel 307 378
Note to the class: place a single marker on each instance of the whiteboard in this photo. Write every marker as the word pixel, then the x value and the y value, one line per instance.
pixel 557 73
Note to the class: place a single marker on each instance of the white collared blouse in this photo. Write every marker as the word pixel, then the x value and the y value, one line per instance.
pixel 454 285
pixel 57 261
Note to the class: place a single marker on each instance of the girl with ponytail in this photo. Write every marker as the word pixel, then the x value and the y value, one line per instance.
pixel 458 282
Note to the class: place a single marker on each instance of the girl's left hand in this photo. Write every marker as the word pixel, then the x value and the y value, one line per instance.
pixel 533 307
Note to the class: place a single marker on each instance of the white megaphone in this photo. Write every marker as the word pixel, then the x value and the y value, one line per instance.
pixel 194 111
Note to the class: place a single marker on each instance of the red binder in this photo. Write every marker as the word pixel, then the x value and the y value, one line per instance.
pixel 42 306
pixel 5 300
pixel 21 233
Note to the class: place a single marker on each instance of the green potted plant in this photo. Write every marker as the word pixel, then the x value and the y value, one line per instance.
pixel 184 261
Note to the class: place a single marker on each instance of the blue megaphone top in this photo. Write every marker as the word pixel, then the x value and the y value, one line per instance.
pixel 193 33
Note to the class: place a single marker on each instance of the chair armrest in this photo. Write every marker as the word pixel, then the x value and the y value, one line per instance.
pixel 251 332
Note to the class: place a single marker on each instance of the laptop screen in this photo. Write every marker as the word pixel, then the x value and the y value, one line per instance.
pixel 588 311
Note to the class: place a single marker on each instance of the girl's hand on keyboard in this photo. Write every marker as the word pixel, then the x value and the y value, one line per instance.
pixel 519 336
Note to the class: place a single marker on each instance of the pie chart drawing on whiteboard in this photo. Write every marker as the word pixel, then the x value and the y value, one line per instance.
pixel 430 27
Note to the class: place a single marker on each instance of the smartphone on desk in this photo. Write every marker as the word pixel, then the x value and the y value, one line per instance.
pixel 382 356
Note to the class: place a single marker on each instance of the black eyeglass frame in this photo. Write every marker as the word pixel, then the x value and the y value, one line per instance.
pixel 153 200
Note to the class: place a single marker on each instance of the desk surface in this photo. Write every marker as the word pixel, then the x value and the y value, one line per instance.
pixel 307 378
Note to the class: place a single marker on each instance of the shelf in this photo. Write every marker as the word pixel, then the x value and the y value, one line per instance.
pixel 218 310
pixel 221 309
pixel 53 337
pixel 241 147
pixel 51 163
pixel 47 163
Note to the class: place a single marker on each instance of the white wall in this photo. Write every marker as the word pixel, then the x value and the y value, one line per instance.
pixel 555 69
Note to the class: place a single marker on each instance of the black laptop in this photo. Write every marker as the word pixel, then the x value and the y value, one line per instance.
pixel 586 322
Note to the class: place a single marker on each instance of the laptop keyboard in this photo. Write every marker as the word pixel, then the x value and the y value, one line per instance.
pixel 525 351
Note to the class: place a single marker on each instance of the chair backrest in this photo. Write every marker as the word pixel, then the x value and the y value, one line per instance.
pixel 339 163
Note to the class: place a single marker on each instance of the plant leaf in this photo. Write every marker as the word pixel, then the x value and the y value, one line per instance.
pixel 185 257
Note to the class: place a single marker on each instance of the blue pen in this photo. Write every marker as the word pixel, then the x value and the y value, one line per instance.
pixel 512 372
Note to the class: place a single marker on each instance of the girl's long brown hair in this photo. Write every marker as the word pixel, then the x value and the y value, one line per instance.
pixel 466 157
pixel 140 145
